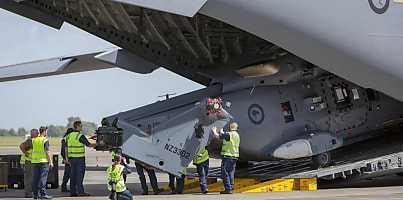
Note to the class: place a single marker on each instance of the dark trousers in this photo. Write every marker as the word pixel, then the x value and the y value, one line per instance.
pixel 180 183
pixel 77 175
pixel 28 174
pixel 39 179
pixel 66 175
pixel 227 172
pixel 151 174
pixel 125 195
pixel 202 170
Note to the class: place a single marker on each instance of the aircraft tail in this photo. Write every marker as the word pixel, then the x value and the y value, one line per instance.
pixel 167 138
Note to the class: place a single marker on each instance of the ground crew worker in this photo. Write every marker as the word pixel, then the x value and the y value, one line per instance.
pixel 41 160
pixel 67 167
pixel 113 160
pixel 140 167
pixel 115 175
pixel 180 182
pixel 75 155
pixel 230 154
pixel 202 165
pixel 26 148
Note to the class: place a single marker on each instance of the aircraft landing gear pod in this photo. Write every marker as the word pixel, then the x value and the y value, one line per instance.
pixel 167 134
pixel 317 145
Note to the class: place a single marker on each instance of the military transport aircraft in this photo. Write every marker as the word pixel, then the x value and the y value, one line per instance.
pixel 301 78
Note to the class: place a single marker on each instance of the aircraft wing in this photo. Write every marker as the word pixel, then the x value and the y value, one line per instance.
pixel 52 66
pixel 96 60
pixel 181 7
pixel 155 37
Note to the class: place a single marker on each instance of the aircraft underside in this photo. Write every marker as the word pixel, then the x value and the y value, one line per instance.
pixel 287 107
pixel 199 48
pixel 240 37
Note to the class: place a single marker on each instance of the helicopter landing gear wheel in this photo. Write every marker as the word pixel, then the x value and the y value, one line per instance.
pixel 321 160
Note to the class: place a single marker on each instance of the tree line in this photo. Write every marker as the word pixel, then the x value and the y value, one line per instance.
pixel 54 130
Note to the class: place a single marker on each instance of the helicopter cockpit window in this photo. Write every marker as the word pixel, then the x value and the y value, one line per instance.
pixel 355 93
pixel 342 97
pixel 339 95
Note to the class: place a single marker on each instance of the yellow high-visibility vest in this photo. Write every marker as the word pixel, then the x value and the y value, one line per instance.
pixel 25 158
pixel 76 149
pixel 117 176
pixel 22 159
pixel 38 150
pixel 231 147
pixel 202 157
pixel 29 158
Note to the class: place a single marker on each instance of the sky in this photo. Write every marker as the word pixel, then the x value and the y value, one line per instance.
pixel 91 96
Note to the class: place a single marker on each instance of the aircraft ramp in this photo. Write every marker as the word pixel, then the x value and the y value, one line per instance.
pixel 304 180
pixel 375 157
pixel 370 168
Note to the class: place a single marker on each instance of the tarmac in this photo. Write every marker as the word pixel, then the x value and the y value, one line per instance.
pixel 389 187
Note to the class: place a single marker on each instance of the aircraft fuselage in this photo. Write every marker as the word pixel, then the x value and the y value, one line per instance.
pixel 270 116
